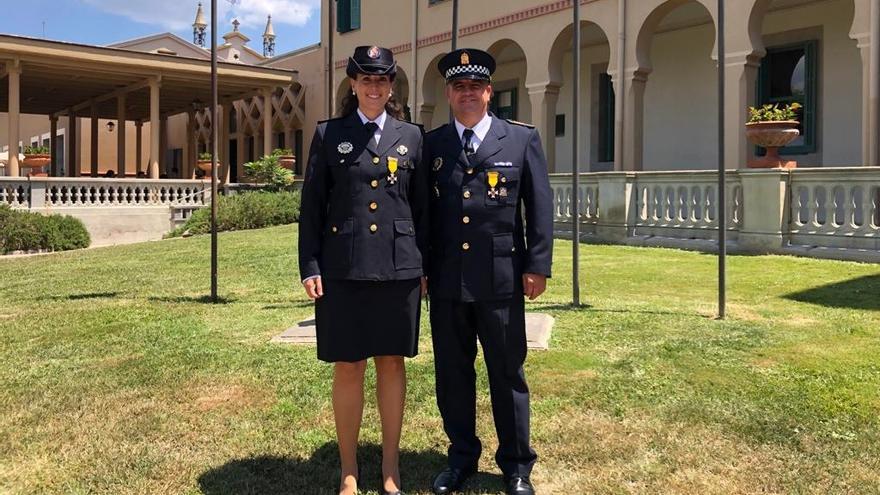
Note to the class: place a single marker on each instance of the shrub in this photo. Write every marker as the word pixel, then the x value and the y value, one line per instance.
pixel 773 112
pixel 268 170
pixel 36 150
pixel 252 210
pixel 25 231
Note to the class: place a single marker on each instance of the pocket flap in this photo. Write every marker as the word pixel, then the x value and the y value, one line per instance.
pixel 404 226
pixel 502 244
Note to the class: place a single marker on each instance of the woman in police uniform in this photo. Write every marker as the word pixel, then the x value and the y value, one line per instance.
pixel 362 244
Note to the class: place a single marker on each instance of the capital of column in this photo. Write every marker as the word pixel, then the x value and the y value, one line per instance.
pixel 13 67
pixel 548 88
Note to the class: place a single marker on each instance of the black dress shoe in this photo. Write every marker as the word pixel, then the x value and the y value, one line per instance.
pixel 519 485
pixel 450 479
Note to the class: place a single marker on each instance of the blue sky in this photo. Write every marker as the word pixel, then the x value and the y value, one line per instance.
pixel 101 22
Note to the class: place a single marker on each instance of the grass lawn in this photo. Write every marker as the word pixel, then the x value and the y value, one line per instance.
pixel 116 377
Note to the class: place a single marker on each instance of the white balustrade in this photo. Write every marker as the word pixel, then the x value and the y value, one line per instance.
pixel 835 207
pixel 588 201
pixel 684 205
pixel 37 192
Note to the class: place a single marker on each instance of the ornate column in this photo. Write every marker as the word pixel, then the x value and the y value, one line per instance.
pixel 13 71
pixel 741 76
pixel 53 141
pixel 138 140
pixel 267 121
pixel 543 98
pixel 72 164
pixel 93 152
pixel 120 136
pixel 225 113
pixel 154 129
pixel 634 117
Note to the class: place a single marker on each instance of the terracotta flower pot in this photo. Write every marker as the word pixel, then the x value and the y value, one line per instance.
pixel 36 160
pixel 205 166
pixel 287 161
pixel 772 136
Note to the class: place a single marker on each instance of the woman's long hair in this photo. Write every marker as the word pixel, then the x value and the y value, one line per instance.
pixel 350 104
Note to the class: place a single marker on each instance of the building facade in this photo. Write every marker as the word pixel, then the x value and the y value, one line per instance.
pixel 648 72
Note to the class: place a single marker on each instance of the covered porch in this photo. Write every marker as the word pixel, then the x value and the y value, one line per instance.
pixel 79 85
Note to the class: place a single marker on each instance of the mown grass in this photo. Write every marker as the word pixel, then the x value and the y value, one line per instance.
pixel 118 377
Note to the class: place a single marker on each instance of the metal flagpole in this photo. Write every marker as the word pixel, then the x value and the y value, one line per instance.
pixel 575 167
pixel 454 38
pixel 722 200
pixel 214 148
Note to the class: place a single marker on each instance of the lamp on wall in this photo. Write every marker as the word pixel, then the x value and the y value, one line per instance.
pixel 110 126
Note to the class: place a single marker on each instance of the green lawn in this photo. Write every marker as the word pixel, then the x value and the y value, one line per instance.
pixel 116 377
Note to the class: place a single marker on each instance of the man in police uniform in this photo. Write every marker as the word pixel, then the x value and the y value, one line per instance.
pixel 488 177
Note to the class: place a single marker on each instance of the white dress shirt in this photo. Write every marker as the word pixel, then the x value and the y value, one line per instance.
pixel 380 121
pixel 480 131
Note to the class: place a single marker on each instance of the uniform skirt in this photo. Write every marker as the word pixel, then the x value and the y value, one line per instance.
pixel 358 319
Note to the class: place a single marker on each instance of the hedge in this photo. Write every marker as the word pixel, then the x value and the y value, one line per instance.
pixel 251 210
pixel 26 231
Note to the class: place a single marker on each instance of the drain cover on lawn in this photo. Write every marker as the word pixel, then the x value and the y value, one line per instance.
pixel 538 327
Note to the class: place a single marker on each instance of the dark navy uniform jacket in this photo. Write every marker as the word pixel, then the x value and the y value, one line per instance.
pixel 356 223
pixel 479 245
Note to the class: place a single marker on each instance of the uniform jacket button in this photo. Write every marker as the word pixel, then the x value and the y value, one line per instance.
pixel 467 195
pixel 376 160
pixel 470 170
pixel 465 246
pixel 466 219
pixel 334 229
pixel 374 206
pixel 374 227
pixel 374 183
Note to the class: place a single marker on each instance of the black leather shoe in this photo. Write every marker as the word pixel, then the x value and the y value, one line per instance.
pixel 519 485
pixel 451 479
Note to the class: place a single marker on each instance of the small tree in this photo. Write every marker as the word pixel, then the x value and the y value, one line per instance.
pixel 268 171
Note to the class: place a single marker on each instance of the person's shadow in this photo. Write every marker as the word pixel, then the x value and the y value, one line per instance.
pixel 319 474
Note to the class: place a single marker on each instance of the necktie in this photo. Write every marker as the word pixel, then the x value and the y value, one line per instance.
pixel 468 135
pixel 371 128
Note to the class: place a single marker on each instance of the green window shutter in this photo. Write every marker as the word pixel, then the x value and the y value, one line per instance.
pixel 355 15
pixel 343 16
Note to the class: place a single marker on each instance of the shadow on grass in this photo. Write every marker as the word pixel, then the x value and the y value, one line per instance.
pixel 206 299
pixel 289 305
pixel 856 293
pixel 590 309
pixel 319 474
pixel 78 297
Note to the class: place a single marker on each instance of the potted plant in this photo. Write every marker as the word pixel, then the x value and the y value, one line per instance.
pixel 268 171
pixel 36 157
pixel 773 127
pixel 286 158
pixel 204 162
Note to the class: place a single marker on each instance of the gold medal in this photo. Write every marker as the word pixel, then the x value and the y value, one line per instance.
pixel 392 170
pixel 492 179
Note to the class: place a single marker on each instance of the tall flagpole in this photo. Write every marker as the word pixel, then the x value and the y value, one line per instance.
pixel 576 149
pixel 722 201
pixel 214 148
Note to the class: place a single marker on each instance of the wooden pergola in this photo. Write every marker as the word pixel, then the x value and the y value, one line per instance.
pixel 67 79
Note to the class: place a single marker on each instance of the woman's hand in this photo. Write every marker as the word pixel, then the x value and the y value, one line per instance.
pixel 314 288
pixel 424 286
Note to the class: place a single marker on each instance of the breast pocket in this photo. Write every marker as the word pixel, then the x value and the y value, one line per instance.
pixel 406 252
pixel 502 263
pixel 338 246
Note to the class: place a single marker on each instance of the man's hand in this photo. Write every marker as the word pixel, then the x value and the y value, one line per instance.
pixel 534 285
pixel 314 288
pixel 424 286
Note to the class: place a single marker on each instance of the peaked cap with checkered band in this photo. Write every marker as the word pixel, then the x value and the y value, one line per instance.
pixel 467 63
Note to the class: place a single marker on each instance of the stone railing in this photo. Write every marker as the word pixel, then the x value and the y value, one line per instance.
pixel 829 212
pixel 55 192
pixel 836 208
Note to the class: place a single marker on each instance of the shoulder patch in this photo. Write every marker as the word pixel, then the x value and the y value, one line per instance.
pixel 516 122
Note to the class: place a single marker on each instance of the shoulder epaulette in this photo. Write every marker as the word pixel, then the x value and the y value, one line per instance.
pixel 516 122
pixel 330 120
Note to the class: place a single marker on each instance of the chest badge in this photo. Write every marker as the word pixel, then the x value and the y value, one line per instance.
pixel 438 163
pixel 492 180
pixel 392 170
pixel 345 148
pixel 402 150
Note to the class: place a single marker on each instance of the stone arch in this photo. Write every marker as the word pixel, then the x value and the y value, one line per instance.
pixel 433 99
pixel 591 34
pixel 512 68
pixel 652 21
